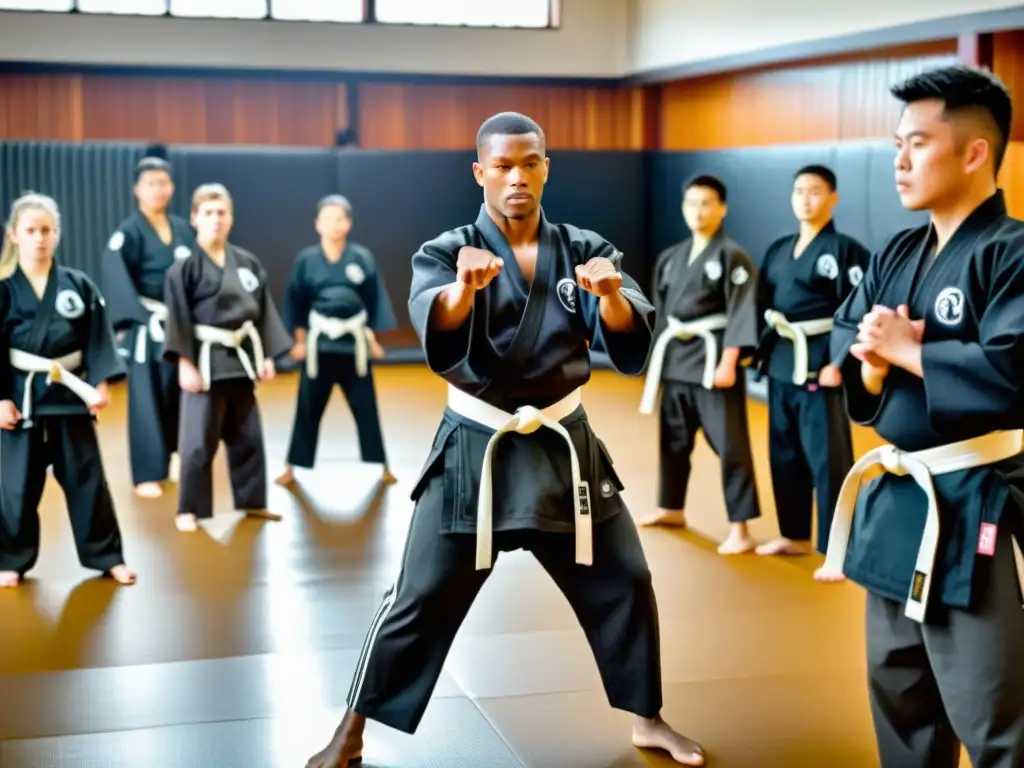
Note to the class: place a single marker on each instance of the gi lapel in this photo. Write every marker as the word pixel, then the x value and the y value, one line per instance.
pixel 525 338
pixel 44 307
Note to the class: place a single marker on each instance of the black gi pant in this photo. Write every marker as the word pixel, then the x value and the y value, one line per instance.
pixel 958 678
pixel 412 632
pixel 335 369
pixel 69 443
pixel 810 447
pixel 153 412
pixel 722 413
pixel 228 412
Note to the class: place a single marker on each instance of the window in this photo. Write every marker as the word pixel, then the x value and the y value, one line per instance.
pixel 133 7
pixel 317 10
pixel 36 5
pixel 220 9
pixel 471 13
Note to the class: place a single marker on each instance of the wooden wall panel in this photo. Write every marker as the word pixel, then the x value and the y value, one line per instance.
pixel 838 99
pixel 222 110
pixel 1011 179
pixel 1008 64
pixel 408 116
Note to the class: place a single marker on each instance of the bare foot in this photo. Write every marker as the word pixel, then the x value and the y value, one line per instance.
pixel 346 747
pixel 149 490
pixel 657 734
pixel 122 574
pixel 673 518
pixel 387 478
pixel 286 478
pixel 739 542
pixel 783 546
pixel 828 576
pixel 9 579
pixel 186 523
pixel 264 514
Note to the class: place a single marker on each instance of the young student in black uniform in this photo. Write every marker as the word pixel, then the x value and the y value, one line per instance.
pixel 705 293
pixel 57 353
pixel 506 307
pixel 223 333
pixel 132 273
pixel 335 301
pixel 804 279
pixel 931 349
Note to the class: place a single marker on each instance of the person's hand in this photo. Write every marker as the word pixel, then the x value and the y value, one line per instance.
pixel 104 391
pixel 599 277
pixel 477 267
pixel 725 375
pixel 829 376
pixel 268 370
pixel 298 351
pixel 9 414
pixel 189 378
pixel 885 335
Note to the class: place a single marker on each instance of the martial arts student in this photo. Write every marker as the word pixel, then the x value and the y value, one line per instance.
pixel 132 273
pixel 705 293
pixel 505 308
pixel 334 302
pixel 931 349
pixel 804 278
pixel 57 353
pixel 223 333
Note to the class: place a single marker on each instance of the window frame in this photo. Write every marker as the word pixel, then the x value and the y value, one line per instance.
pixel 369 17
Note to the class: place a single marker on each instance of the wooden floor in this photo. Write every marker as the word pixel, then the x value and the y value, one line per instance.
pixel 237 646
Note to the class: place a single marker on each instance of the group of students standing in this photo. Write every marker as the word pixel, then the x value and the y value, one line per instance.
pixel 720 312
pixel 188 318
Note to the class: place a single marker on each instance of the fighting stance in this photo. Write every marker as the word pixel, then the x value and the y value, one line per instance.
pixel 132 273
pixel 223 333
pixel 334 301
pixel 57 354
pixel 931 348
pixel 505 308
pixel 705 293
pixel 804 278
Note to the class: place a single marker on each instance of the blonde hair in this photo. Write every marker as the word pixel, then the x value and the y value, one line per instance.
pixel 206 192
pixel 29 201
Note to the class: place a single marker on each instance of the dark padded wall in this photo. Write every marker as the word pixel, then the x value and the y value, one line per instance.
pixel 760 182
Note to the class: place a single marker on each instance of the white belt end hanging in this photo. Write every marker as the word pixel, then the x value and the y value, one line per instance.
pixel 584 524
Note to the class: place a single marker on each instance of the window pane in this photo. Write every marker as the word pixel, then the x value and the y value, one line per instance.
pixel 137 7
pixel 473 13
pixel 36 5
pixel 220 9
pixel 317 10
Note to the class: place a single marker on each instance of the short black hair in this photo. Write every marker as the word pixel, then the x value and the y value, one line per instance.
pixel 821 171
pixel 963 88
pixel 154 158
pixel 339 200
pixel 508 124
pixel 710 182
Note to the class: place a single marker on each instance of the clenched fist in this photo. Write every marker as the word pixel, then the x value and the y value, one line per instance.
pixel 599 277
pixel 477 267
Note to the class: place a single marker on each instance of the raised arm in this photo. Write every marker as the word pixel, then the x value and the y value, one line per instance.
pixel 621 323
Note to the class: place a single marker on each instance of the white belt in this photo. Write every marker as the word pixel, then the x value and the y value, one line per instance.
pixel 921 465
pixel 525 420
pixel 208 335
pixel 56 370
pixel 154 329
pixel 678 329
pixel 797 333
pixel 334 328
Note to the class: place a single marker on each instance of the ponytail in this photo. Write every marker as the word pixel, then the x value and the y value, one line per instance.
pixel 27 202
